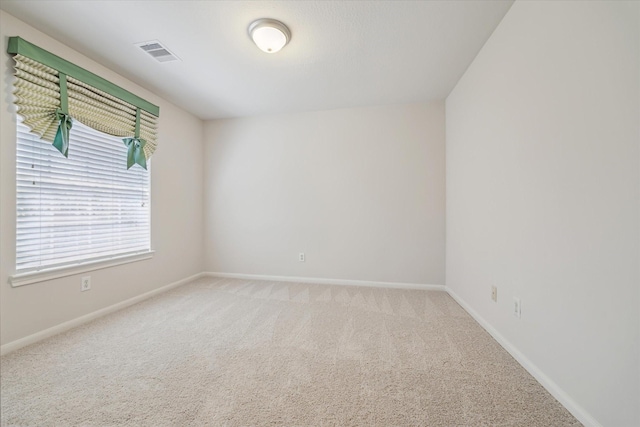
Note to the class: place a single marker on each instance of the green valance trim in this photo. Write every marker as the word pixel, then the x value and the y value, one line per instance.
pixel 20 46
pixel 135 152
pixel 64 97
pixel 135 146
pixel 61 141
pixel 137 131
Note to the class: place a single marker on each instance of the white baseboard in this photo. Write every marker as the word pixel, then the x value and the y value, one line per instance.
pixel 321 281
pixel 571 405
pixel 63 327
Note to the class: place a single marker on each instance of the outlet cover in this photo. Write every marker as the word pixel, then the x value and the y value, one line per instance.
pixel 86 283
pixel 494 293
pixel 517 308
pixel 301 257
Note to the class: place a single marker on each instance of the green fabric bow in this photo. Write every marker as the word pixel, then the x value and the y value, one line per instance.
pixel 61 141
pixel 136 152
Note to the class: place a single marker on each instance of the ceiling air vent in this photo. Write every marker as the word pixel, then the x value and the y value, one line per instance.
pixel 157 51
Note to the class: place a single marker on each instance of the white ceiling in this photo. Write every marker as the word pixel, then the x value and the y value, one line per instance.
pixel 342 54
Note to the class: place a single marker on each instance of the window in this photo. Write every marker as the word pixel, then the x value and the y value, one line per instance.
pixel 86 208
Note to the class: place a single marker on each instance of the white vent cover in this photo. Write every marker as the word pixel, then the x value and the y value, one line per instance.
pixel 157 51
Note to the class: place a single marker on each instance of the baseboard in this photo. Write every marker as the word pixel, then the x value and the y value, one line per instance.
pixel 321 281
pixel 63 327
pixel 561 396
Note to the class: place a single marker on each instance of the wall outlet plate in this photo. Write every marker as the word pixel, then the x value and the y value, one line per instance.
pixel 494 293
pixel 517 308
pixel 85 284
pixel 301 257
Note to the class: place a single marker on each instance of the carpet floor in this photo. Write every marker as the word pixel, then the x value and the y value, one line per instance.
pixel 229 352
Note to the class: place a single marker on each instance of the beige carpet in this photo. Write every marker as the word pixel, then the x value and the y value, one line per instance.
pixel 236 352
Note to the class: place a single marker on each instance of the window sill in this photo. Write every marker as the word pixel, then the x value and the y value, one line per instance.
pixel 22 279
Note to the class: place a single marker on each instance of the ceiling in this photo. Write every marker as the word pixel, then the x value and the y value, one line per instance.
pixel 341 54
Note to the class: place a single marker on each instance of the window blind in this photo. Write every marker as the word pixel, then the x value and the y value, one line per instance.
pixel 52 93
pixel 83 208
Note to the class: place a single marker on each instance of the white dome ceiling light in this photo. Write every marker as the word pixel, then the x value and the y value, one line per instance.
pixel 269 35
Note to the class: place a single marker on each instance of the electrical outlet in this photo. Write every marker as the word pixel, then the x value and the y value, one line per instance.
pixel 85 284
pixel 517 307
pixel 301 257
pixel 494 293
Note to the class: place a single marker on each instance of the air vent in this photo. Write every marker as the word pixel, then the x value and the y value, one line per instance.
pixel 157 51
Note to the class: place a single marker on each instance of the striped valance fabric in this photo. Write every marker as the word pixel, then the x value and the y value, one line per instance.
pixel 45 97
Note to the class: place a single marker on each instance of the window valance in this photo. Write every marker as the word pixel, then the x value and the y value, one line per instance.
pixel 52 92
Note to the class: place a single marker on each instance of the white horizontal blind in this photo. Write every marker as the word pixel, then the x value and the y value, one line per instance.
pixel 84 208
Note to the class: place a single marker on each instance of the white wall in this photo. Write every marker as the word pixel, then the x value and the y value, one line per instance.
pixel 360 191
pixel 176 210
pixel 543 193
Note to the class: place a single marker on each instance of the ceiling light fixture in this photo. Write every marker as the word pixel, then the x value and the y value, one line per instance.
pixel 269 35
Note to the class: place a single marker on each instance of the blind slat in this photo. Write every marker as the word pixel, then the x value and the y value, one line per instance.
pixel 33 266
